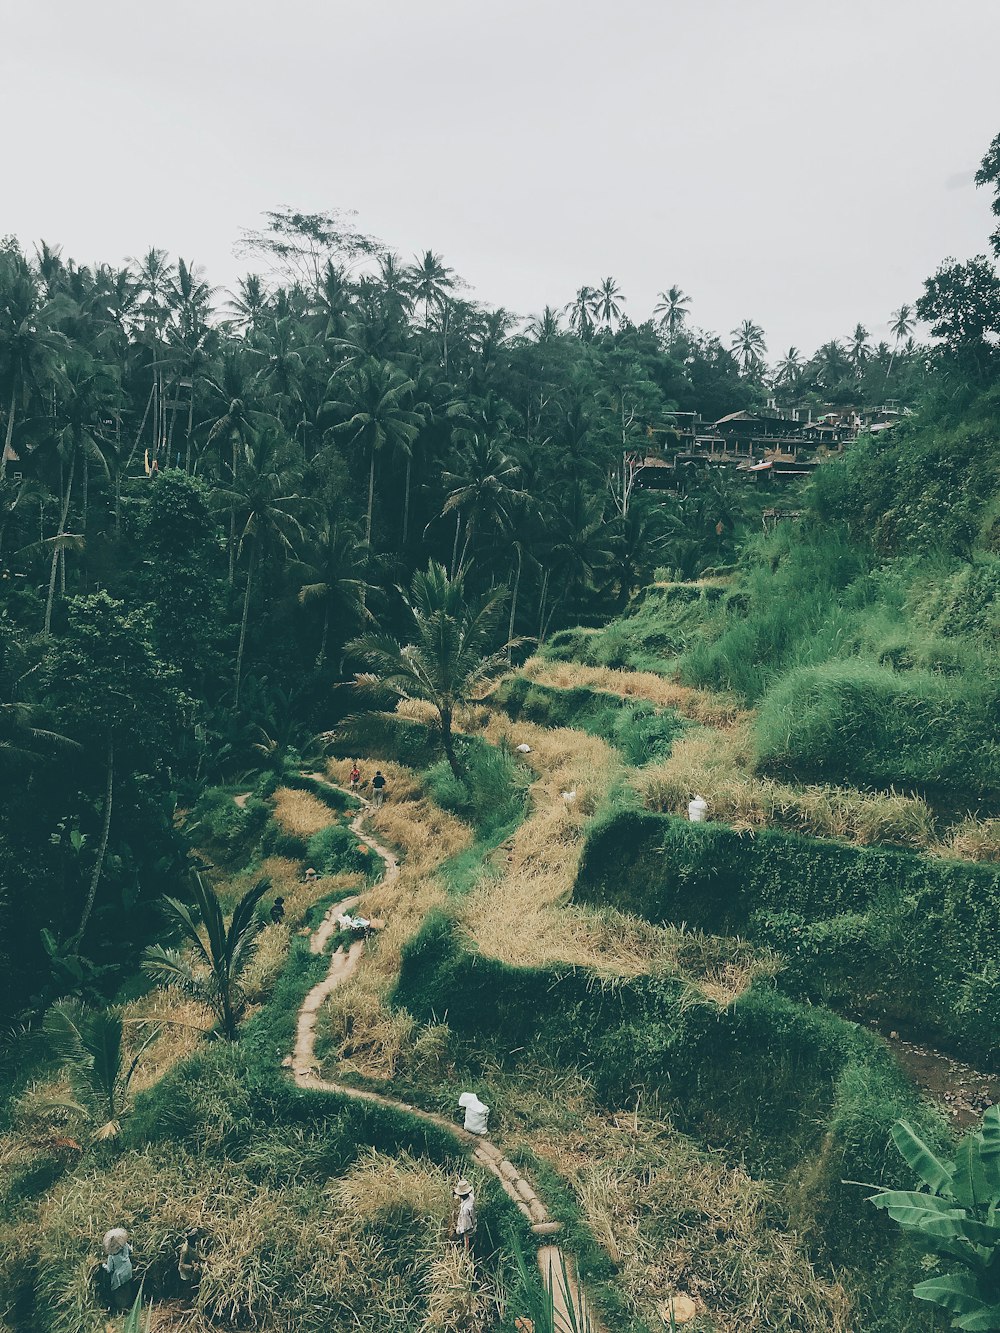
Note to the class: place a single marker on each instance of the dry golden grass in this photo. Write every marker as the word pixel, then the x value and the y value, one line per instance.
pixel 300 812
pixel 673 1218
pixel 972 840
pixel 522 913
pixel 265 965
pixel 402 783
pixel 717 710
pixel 288 881
pixel 718 766
pixel 182 1024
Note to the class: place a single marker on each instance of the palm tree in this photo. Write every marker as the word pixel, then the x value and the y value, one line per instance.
pixel 483 490
pixel 220 959
pixel 608 302
pixel 333 569
pixel 748 345
pixel 264 498
pixel 89 1044
pixel 373 416
pixel 582 313
pixel 789 368
pixel 860 348
pixel 830 364
pixel 451 654
pixel 249 302
pixel 545 326
pixel 430 281
pixel 672 308
pixel 900 328
pixel 31 348
pixel 77 436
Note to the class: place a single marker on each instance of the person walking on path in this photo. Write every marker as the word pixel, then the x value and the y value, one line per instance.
pixel 378 788
pixel 355 775
pixel 116 1270
pixel 465 1223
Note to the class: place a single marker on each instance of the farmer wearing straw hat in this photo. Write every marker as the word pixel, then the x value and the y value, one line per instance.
pixel 465 1223
pixel 118 1268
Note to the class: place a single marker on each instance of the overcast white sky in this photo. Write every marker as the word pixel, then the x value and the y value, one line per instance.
pixel 802 163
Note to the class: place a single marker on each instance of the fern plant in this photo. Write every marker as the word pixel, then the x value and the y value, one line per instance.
pixel 957 1216
pixel 220 958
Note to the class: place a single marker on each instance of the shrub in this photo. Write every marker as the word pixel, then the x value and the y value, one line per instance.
pixel 863 723
pixel 217 820
pixel 336 850
pixel 491 793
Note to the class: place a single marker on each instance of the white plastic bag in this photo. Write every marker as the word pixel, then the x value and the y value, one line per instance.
pixel 477 1113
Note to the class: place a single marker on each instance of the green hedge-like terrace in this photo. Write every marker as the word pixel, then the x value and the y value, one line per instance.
pixel 885 933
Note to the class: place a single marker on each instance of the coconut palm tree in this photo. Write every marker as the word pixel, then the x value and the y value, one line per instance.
pixel 430 281
pixel 860 347
pixel 748 345
pixel 219 960
pixel 545 326
pixel 672 309
pixel 483 489
pixel 582 312
pixel 450 653
pixel 333 567
pixel 249 303
pixel 31 347
pixel 900 328
pixel 264 499
pixel 789 369
pixel 830 364
pixel 89 1045
pixel 608 302
pixel 374 413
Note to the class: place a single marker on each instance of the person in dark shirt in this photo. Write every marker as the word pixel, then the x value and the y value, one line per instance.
pixel 378 787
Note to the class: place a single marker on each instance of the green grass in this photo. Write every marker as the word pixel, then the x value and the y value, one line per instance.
pixel 491 793
pixel 855 721
pixel 640 731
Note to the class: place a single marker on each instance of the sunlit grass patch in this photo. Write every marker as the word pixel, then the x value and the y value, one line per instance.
pixel 718 766
pixel 182 1024
pixel 971 839
pixel 720 710
pixel 300 812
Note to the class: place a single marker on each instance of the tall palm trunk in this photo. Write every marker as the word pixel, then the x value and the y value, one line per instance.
pixel 103 847
pixel 448 741
pixel 187 449
pixel 142 424
pixel 10 431
pixel 541 606
pixel 371 499
pixel 513 598
pixel 454 548
pixel 243 624
pixel 406 499
pixel 56 550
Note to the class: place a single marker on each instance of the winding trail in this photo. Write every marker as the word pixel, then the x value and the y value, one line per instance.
pixel 572 1312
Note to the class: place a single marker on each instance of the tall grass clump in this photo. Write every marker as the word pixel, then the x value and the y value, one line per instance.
pixel 859 722
pixel 337 850
pixel 491 793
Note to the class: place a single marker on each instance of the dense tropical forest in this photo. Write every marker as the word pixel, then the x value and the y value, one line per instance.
pixel 345 510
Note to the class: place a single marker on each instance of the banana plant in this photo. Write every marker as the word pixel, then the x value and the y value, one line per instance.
pixel 956 1216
